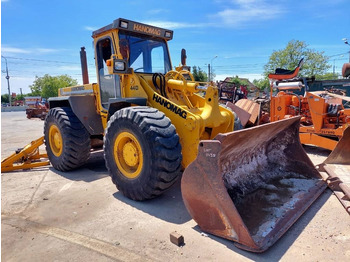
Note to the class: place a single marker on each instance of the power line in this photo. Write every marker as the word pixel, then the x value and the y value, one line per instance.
pixel 42 60
pixel 339 54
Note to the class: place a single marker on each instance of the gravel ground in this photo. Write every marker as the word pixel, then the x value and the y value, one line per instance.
pixel 47 215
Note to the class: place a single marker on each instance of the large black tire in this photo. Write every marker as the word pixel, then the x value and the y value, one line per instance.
pixel 66 139
pixel 155 162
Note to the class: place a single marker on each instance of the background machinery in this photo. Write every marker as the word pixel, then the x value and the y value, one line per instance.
pixel 325 122
pixel 323 115
pixel 152 124
pixel 37 107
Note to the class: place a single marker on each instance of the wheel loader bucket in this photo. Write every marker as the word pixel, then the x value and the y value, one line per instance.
pixel 341 153
pixel 337 167
pixel 251 185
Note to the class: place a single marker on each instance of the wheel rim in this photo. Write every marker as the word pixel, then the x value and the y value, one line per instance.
pixel 55 140
pixel 128 155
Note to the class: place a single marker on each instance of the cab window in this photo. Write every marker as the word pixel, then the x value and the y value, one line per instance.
pixel 146 54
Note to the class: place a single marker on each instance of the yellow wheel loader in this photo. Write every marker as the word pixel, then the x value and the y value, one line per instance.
pixel 249 186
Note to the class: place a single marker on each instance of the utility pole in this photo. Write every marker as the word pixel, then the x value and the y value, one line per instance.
pixel 209 73
pixel 211 67
pixel 347 43
pixel 8 80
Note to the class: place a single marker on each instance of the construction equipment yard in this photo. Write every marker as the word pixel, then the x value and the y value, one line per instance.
pixel 48 215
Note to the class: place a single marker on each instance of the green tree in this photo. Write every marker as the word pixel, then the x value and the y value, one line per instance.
pixel 199 74
pixel 20 97
pixel 262 84
pixel 47 86
pixel 5 98
pixel 239 82
pixel 328 76
pixel 315 63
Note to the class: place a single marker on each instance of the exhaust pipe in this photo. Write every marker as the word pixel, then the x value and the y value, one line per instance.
pixel 84 69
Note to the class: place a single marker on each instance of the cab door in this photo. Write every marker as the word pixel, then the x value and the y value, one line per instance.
pixel 109 84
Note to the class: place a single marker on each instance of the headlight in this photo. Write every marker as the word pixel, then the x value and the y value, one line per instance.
pixel 119 66
pixel 167 34
pixel 123 24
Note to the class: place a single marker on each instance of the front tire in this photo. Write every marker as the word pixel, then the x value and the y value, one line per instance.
pixel 142 152
pixel 66 139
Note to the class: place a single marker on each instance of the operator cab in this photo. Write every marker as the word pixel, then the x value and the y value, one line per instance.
pixel 128 45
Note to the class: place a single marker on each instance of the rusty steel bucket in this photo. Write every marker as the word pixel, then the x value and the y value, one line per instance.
pixel 341 153
pixel 337 167
pixel 251 185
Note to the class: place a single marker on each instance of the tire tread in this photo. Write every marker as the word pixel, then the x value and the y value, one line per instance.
pixel 76 139
pixel 166 151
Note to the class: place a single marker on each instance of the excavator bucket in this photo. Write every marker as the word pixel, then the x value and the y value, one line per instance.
pixel 337 167
pixel 251 185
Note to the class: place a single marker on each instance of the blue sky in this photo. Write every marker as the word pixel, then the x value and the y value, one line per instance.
pixel 44 37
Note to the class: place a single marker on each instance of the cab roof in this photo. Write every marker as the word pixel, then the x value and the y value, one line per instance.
pixel 136 27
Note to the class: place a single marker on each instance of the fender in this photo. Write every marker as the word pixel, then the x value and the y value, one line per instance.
pixel 115 104
pixel 84 108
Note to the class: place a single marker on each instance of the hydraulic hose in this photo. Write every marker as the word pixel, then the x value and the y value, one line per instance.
pixel 161 86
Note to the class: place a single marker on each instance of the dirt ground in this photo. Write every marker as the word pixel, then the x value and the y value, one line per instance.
pixel 47 215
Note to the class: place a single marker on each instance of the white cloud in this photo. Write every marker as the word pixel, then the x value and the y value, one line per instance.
pixel 236 13
pixel 14 50
pixel 46 50
pixel 39 50
pixel 243 11
pixel 90 28
pixel 173 25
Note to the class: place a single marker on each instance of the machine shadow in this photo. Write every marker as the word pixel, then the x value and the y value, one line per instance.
pixel 168 207
pixel 95 163
pixel 277 251
pixel 317 150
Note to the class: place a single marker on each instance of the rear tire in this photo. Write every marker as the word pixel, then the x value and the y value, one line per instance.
pixel 142 152
pixel 66 139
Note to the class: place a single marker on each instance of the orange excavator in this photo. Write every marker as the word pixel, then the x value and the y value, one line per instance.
pixel 325 122
pixel 323 115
